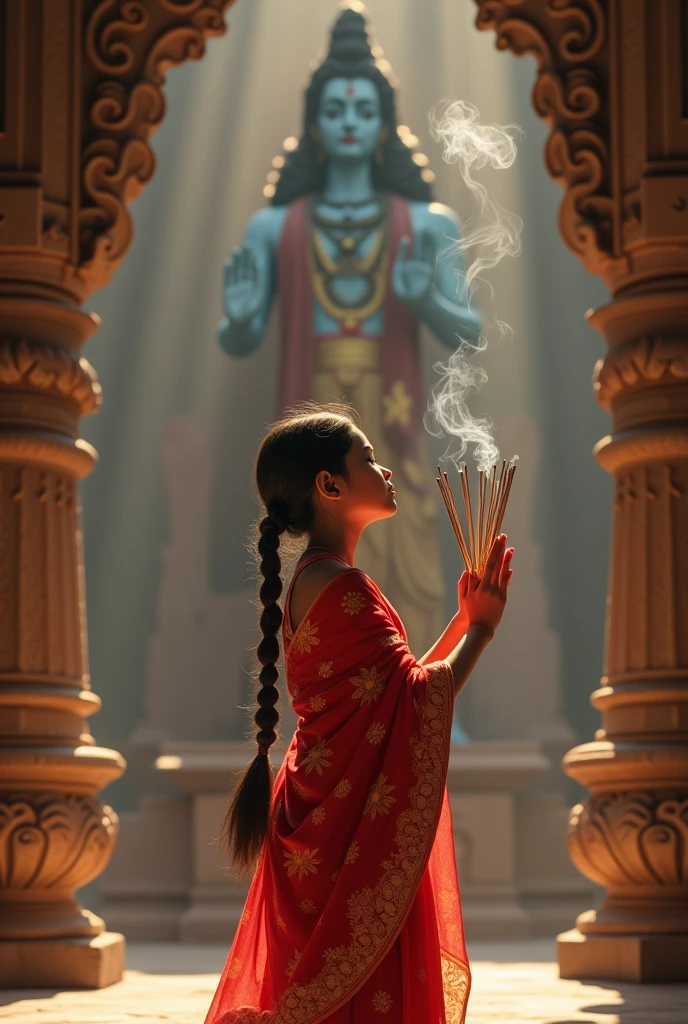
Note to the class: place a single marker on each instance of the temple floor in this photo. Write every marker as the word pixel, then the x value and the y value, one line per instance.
pixel 513 983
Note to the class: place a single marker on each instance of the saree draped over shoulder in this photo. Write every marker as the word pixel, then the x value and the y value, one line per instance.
pixel 353 915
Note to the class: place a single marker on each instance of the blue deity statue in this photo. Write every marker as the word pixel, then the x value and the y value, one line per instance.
pixel 350 245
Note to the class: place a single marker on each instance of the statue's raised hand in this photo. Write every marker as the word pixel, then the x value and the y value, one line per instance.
pixel 243 287
pixel 414 273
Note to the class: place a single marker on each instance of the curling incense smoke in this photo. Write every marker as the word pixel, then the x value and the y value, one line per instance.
pixel 493 234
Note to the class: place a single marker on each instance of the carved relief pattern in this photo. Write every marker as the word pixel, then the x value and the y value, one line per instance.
pixel 129 44
pixel 645 361
pixel 41 367
pixel 568 40
pixel 625 839
pixel 39 574
pixel 50 841
pixel 647 577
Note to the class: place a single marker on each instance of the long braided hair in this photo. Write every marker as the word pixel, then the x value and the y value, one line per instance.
pixel 294 450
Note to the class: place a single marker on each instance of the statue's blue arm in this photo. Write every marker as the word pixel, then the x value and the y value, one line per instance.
pixel 250 283
pixel 445 309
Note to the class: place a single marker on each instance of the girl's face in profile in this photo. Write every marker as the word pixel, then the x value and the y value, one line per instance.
pixel 369 494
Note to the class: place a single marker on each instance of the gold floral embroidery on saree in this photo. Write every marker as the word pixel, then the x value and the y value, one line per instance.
pixel 352 853
pixel 317 758
pixel 305 637
pixel 342 789
pixel 382 1001
pixel 379 800
pixel 308 906
pixel 234 969
pixel 456 984
pixel 291 966
pixel 301 862
pixel 376 733
pixel 325 669
pixel 318 815
pixel 353 603
pixel 369 686
pixel 317 703
pixel 391 639
pixel 374 913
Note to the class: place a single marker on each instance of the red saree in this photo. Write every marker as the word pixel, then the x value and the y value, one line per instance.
pixel 353 915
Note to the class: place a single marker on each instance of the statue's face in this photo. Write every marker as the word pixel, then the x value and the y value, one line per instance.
pixel 349 119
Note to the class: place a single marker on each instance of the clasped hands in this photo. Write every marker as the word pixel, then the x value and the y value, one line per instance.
pixel 482 599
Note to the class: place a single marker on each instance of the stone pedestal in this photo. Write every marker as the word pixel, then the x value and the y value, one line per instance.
pixel 500 865
pixel 610 83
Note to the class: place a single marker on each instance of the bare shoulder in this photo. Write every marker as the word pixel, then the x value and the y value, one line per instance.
pixel 309 583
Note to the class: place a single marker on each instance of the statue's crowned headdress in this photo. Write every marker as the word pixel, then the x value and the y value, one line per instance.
pixel 353 53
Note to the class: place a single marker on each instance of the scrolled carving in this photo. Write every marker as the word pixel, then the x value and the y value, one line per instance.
pixel 42 367
pixel 117 110
pixel 583 37
pixel 567 39
pixel 51 841
pixel 645 361
pixel 107 32
pixel 626 839
pixel 130 45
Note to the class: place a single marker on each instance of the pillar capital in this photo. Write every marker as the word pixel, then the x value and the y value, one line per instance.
pixel 611 85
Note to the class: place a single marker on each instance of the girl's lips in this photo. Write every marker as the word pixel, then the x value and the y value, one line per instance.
pixel 349 139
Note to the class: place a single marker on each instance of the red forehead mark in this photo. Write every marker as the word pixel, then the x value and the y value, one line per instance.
pixel 350 91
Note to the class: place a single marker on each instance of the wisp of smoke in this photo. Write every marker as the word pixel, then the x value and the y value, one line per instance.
pixel 496 233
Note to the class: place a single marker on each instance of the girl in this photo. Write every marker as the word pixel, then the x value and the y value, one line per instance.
pixel 353 914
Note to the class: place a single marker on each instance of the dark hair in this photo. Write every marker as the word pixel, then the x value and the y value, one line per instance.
pixel 295 449
pixel 351 56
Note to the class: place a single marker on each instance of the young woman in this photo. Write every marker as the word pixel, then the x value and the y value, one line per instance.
pixel 353 915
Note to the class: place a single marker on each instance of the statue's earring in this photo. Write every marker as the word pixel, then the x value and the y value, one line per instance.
pixel 379 152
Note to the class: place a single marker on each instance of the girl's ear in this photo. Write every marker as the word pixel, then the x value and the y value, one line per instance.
pixel 326 485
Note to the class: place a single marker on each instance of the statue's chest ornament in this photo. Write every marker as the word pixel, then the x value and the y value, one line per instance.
pixel 349 257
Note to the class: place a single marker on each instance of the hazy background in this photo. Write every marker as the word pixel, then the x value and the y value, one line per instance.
pixel 157 357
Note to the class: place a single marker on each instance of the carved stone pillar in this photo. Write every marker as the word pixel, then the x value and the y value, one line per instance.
pixel 81 94
pixel 613 84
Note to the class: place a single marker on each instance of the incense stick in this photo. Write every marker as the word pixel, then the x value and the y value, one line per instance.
pixel 469 512
pixel 493 495
pixel 448 497
pixel 482 481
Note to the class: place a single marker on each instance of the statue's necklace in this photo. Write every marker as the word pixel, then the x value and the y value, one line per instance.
pixel 348 235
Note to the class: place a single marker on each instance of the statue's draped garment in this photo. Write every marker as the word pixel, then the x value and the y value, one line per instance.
pixel 353 915
pixel 380 375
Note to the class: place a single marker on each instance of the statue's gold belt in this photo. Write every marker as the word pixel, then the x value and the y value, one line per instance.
pixel 353 354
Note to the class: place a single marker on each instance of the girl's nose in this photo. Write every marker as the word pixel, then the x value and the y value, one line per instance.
pixel 387 473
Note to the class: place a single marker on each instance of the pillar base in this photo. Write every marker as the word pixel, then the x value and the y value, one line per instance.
pixel 622 957
pixel 63 963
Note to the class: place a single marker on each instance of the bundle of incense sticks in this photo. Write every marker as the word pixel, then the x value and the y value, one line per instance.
pixel 493 494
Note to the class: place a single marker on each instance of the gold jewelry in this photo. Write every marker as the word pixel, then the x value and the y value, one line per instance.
pixel 372 267
pixel 351 318
pixel 350 265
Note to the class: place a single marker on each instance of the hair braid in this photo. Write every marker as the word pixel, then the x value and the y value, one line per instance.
pixel 292 453
pixel 267 715
pixel 246 824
